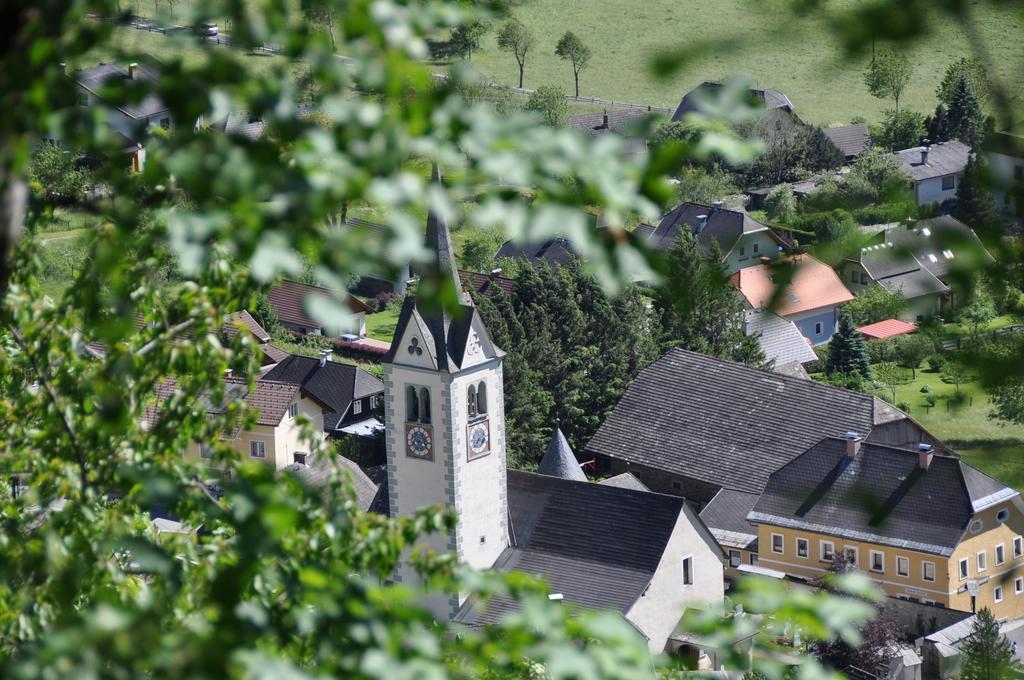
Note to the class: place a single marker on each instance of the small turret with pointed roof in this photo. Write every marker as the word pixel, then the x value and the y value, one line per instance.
pixel 439 242
pixel 559 460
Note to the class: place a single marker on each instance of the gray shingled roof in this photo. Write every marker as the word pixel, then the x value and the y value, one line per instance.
pixel 559 460
pixel 881 495
pixel 691 101
pixel 559 537
pixel 554 252
pixel 95 78
pixel 898 270
pixel 852 140
pixel 723 225
pixel 780 339
pixel 613 120
pixel 316 473
pixel 928 240
pixel 625 481
pixel 727 424
pixel 944 158
pixel 726 517
pixel 335 384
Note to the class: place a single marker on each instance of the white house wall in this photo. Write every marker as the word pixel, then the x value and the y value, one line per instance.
pixel 743 253
pixel 931 191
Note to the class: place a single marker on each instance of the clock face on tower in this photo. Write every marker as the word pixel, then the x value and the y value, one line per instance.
pixel 419 442
pixel 479 439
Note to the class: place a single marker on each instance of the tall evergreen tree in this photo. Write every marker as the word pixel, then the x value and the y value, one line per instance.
pixel 986 653
pixel 964 118
pixel 846 352
pixel 975 204
pixel 700 310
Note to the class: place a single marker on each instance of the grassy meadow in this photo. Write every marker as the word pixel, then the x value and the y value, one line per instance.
pixel 760 40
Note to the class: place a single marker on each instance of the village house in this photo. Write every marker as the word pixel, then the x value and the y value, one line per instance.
pixel 696 99
pixel 629 124
pixel 718 429
pixel 852 140
pixel 898 271
pixel 1005 154
pixel 130 121
pixel 935 170
pixel 810 298
pixel 876 505
pixel 293 301
pixel 445 433
pixel 779 339
pixel 742 240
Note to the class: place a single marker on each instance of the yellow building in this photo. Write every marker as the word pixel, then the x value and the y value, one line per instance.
pixel 925 527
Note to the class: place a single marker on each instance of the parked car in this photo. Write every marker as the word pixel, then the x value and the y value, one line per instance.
pixel 207 29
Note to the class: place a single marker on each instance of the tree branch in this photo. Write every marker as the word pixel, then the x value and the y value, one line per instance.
pixel 172 332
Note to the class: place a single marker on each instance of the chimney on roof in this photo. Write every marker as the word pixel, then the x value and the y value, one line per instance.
pixel 229 373
pixel 132 68
pixel 853 442
pixel 604 120
pixel 924 152
pixel 325 356
pixel 925 453
pixel 718 205
pixel 495 273
pixel 702 221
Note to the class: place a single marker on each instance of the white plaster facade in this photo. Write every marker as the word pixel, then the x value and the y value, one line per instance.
pixel 749 249
pixel 937 189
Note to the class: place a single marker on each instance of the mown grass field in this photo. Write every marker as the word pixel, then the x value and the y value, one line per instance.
pixel 795 55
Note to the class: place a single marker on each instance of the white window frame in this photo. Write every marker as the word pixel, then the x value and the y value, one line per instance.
pixel 296 454
pixel 924 571
pixel 905 571
pixel 807 548
pixel 1000 553
pixel 1018 546
pixel 357 407
pixel 871 561
pixel 256 445
pixel 1018 585
pixel 982 561
pixel 856 554
pixel 373 401
pixel 686 565
pixel 293 409
pixel 963 569
pixel 782 543
pixel 997 594
pixel 821 551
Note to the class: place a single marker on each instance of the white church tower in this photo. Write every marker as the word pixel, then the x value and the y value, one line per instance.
pixel 446 420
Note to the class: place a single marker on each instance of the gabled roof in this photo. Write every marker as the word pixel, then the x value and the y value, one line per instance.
pixel 899 271
pixel 723 225
pixel 881 495
pixel 554 252
pixel 939 242
pixel 559 460
pixel 290 300
pixel 245 318
pixel 486 284
pixel 612 120
pixel 240 124
pixel 95 78
pixel 727 424
pixel 852 140
pixel 625 481
pixel 886 329
pixel 726 517
pixel 813 285
pixel 780 339
pixel 944 158
pixel 317 471
pixel 769 98
pixel 269 397
pixel 335 384
pixel 559 537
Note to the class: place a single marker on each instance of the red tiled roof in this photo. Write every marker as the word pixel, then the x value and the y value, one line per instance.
pixel 288 300
pixel 887 329
pixel 813 285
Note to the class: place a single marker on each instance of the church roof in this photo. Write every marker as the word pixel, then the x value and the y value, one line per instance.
pixel 559 460
pixel 445 330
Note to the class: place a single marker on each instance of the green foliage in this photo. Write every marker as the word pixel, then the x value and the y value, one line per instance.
pixel 573 50
pixel 986 655
pixel 793 150
pixel 912 349
pixel 891 376
pixel 888 75
pixel 962 118
pixel 699 310
pixel 466 38
pixel 898 130
pixel 979 310
pixel 780 203
pixel 265 315
pixel 975 204
pixel 875 303
pixel 698 185
pixel 477 254
pixel 54 172
pixel 971 71
pixel 571 352
pixel 548 102
pixel 875 178
pixel 515 38
pixel 956 373
pixel 846 352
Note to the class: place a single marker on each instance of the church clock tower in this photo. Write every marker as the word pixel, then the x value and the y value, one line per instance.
pixel 446 420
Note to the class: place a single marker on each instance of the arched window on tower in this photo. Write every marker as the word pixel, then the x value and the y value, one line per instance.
pixel 424 405
pixel 481 398
pixel 471 400
pixel 412 409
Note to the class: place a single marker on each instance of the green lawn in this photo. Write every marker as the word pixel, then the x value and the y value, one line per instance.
pixel 989 445
pixel 797 56
pixel 381 325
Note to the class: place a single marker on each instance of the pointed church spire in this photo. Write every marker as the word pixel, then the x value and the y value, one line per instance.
pixel 439 241
pixel 559 460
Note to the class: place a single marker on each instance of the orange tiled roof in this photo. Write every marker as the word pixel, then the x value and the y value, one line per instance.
pixel 813 285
